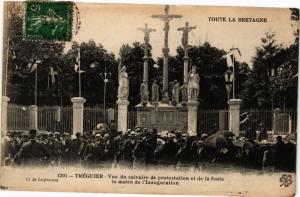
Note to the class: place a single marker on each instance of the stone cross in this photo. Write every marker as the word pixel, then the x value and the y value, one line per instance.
pixel 185 35
pixel 147 32
pixel 166 18
pixel 185 42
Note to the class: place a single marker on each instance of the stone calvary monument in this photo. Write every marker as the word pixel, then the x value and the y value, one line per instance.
pixel 169 113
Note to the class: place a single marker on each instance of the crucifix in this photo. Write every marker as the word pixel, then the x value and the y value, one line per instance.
pixel 166 18
pixel 185 36
pixel 147 32
pixel 185 43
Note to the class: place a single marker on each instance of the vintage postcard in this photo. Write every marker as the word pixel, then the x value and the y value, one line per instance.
pixel 149 99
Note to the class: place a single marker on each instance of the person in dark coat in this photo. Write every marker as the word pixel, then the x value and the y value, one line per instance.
pixel 75 146
pixel 250 133
pixel 127 148
pixel 116 147
pixel 32 152
pixel 94 152
pixel 279 153
pixel 150 143
pixel 263 134
pixel 65 150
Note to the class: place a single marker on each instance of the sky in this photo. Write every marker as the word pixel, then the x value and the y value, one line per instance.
pixel 115 24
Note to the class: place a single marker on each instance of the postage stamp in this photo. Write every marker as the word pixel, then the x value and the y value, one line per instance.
pixel 48 21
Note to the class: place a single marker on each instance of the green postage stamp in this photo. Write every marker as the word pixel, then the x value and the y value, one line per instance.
pixel 48 21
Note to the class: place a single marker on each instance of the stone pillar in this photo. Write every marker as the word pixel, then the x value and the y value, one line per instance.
pixel 78 105
pixel 33 117
pixel 186 69
pixel 166 72
pixel 192 117
pixel 222 118
pixel 234 116
pixel 4 114
pixel 275 120
pixel 122 115
pixel 290 123
pixel 145 77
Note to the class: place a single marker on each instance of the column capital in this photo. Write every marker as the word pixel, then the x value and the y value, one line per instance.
pixel 5 99
pixel 122 102
pixel 234 101
pixel 32 107
pixel 192 103
pixel 78 100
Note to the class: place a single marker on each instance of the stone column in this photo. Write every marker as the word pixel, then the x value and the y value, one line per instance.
pixel 122 115
pixel 222 119
pixel 33 117
pixel 4 114
pixel 166 72
pixel 78 105
pixel 186 69
pixel 145 77
pixel 234 115
pixel 192 117
pixel 275 120
pixel 290 123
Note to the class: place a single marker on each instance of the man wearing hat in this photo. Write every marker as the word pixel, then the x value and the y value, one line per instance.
pixel 116 147
pixel 263 134
pixel 75 144
pixel 94 151
pixel 56 148
pixel 65 149
pixel 127 148
pixel 32 152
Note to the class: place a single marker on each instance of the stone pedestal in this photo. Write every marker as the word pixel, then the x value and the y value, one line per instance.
pixel 162 116
pixel 192 117
pixel 234 116
pixel 122 115
pixel 78 105
pixel 33 117
pixel 5 101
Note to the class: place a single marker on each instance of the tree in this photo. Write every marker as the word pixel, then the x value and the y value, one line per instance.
pixel 94 59
pixel 257 93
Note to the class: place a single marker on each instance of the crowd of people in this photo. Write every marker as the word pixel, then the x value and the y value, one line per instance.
pixel 136 149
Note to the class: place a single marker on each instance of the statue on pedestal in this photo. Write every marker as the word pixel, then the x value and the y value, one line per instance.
pixel 155 92
pixel 123 89
pixel 175 91
pixel 184 93
pixel 144 92
pixel 193 85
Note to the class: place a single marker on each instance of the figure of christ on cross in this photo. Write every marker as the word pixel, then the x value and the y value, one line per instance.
pixel 185 35
pixel 185 42
pixel 147 32
pixel 166 18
